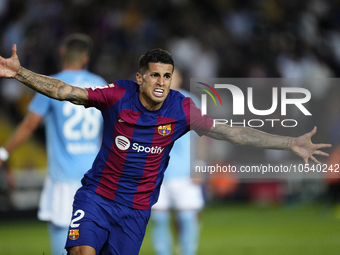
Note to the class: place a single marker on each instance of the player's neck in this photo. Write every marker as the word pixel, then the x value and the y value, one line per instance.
pixel 148 103
pixel 72 66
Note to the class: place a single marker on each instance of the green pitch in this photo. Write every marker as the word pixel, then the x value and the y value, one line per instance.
pixel 227 229
pixel 29 237
pixel 250 230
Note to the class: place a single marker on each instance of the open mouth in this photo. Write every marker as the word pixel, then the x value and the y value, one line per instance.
pixel 158 92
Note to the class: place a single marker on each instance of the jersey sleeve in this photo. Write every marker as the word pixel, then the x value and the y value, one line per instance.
pixel 103 97
pixel 40 104
pixel 195 120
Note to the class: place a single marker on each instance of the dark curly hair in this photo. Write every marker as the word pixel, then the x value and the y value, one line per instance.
pixel 155 56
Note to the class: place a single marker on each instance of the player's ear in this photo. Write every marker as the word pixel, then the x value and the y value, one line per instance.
pixel 86 59
pixel 139 78
pixel 62 51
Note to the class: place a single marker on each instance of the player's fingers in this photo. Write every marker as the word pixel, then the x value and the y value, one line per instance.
pixel 14 50
pixel 323 145
pixel 311 133
pixel 315 160
pixel 317 152
pixel 306 161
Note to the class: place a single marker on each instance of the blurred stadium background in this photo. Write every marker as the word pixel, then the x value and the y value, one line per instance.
pixel 216 38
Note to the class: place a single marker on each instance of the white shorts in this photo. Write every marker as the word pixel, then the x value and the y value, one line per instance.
pixel 180 194
pixel 56 201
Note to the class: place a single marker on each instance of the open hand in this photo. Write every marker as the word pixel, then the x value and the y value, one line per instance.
pixel 9 67
pixel 303 147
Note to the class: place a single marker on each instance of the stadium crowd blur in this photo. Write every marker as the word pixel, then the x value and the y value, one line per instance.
pixel 208 38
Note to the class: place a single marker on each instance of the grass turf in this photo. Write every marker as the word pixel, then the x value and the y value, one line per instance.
pixel 225 229
pixel 26 237
pixel 246 230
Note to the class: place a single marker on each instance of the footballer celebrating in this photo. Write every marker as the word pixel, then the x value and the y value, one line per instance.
pixel 142 120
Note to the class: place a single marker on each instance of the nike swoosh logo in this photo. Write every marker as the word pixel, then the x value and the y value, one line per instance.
pixel 120 120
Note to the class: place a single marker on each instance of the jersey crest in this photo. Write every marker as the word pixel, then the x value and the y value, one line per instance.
pixel 164 129
pixel 73 234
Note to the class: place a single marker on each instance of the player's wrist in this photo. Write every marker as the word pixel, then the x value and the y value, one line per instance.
pixel 292 144
pixel 19 73
pixel 4 154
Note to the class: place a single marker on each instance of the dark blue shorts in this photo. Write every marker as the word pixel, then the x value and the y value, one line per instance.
pixel 107 226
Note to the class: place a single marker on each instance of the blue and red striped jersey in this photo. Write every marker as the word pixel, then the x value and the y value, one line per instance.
pixel 136 143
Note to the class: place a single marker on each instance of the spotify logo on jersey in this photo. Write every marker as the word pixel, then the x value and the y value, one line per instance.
pixel 122 142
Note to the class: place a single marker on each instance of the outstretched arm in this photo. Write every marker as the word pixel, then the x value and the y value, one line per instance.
pixel 51 87
pixel 248 137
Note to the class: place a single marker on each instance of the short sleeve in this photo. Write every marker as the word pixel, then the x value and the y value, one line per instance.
pixel 40 104
pixel 195 120
pixel 103 97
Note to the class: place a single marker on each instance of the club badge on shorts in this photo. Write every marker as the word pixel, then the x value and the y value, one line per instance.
pixel 164 129
pixel 73 234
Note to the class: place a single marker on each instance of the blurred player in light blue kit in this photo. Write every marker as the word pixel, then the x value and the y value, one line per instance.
pixel 178 192
pixel 73 137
